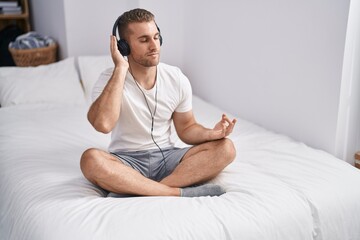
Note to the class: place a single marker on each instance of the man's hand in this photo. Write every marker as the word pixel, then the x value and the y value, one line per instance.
pixel 223 128
pixel 116 56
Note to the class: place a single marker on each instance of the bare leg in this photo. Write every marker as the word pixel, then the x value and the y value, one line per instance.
pixel 106 171
pixel 202 163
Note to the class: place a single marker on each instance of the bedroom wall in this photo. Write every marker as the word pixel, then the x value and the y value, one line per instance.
pixel 48 18
pixel 79 27
pixel 277 63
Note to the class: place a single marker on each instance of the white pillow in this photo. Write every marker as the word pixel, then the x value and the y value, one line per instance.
pixel 54 83
pixel 90 69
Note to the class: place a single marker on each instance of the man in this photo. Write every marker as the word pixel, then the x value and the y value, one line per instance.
pixel 136 101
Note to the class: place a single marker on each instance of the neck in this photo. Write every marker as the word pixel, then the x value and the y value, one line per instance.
pixel 145 76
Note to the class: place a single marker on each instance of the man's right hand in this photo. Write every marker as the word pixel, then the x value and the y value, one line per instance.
pixel 116 56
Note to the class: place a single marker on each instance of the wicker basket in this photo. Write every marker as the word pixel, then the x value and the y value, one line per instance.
pixel 34 56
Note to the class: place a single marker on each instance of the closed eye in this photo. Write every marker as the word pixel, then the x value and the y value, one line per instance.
pixel 145 39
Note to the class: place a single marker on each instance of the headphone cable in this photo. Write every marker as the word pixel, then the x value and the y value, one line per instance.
pixel 151 114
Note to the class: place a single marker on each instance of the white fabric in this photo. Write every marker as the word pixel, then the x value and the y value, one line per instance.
pixel 132 132
pixel 54 83
pixel 90 68
pixel 277 189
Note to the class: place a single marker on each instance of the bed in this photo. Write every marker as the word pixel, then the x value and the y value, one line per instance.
pixel 277 188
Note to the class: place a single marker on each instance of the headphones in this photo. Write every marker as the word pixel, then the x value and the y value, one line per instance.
pixel 123 46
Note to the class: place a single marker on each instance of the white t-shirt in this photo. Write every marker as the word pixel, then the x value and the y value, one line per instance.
pixel 133 129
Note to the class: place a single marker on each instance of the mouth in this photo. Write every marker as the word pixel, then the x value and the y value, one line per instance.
pixel 153 54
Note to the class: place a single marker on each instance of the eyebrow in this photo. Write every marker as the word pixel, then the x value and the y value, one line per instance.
pixel 146 36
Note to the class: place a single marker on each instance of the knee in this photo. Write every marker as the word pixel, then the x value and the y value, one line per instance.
pixel 229 150
pixel 90 160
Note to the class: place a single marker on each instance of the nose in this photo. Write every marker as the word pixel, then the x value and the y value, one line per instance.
pixel 154 44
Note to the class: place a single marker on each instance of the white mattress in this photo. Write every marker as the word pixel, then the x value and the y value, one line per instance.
pixel 277 188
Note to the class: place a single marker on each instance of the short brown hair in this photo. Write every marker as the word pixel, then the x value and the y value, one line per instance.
pixel 135 15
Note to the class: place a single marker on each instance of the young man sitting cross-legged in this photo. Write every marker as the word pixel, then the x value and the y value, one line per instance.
pixel 137 101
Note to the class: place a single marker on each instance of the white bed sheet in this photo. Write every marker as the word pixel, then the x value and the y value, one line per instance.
pixel 277 188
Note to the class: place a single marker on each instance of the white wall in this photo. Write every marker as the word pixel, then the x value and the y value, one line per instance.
pixel 89 26
pixel 48 19
pixel 276 62
pixel 79 27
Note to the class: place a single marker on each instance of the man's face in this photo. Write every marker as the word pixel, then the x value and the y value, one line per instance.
pixel 144 41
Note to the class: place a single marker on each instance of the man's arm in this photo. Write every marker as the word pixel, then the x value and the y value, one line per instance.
pixel 190 132
pixel 105 111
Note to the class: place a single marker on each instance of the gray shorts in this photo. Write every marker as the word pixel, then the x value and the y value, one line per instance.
pixel 150 163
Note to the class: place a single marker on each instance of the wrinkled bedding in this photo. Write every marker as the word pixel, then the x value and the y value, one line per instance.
pixel 277 188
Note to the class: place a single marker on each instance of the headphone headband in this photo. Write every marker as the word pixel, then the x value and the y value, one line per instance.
pixel 115 26
pixel 123 46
